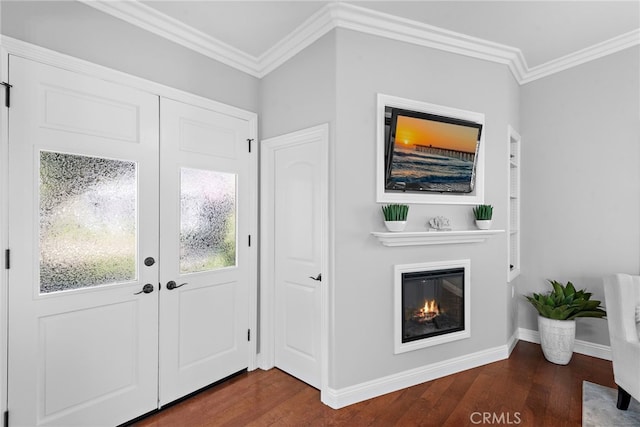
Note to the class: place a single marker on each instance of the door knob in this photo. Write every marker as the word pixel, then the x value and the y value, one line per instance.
pixel 319 278
pixel 172 285
pixel 149 261
pixel 147 289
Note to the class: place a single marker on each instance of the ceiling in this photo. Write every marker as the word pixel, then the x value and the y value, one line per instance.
pixel 541 30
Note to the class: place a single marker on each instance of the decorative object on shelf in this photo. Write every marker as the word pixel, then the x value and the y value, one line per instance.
pixel 483 215
pixel 395 216
pixel 439 223
pixel 557 311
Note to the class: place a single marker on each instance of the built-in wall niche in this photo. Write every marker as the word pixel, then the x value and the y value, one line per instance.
pixel 428 153
pixel 431 304
pixel 513 263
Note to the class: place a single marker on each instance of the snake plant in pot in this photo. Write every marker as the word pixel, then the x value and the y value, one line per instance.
pixel 483 215
pixel 395 216
pixel 557 311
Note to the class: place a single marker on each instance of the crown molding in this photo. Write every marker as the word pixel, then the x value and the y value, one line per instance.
pixel 582 56
pixel 356 18
pixel 380 24
pixel 148 18
pixel 316 26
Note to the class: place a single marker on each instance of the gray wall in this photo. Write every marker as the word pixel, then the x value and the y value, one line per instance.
pixel 79 30
pixel 581 180
pixel 362 343
pixel 302 92
pixel 336 81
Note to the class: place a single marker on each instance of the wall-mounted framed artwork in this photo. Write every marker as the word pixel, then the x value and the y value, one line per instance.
pixel 428 153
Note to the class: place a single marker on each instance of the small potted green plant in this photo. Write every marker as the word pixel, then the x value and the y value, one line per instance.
pixel 557 311
pixel 483 215
pixel 395 216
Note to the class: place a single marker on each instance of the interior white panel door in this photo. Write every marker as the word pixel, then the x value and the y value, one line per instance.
pixel 298 214
pixel 205 213
pixel 83 179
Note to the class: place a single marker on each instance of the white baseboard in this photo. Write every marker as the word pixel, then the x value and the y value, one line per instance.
pixel 583 347
pixel 529 335
pixel 264 363
pixel 511 342
pixel 340 398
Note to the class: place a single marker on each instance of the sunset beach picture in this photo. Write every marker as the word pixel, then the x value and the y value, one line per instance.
pixel 431 153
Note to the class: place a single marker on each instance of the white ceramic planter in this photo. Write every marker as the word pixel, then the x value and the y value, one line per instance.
pixel 395 225
pixel 483 224
pixel 557 338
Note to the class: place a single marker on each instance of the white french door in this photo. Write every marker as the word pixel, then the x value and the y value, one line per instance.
pixel 204 252
pixel 83 192
pixel 100 223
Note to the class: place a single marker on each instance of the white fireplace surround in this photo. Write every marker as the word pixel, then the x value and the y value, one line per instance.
pixel 399 346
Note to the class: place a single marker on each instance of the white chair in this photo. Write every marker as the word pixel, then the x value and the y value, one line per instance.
pixel 622 298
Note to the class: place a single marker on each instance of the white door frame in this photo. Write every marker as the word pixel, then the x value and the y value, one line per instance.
pixel 4 230
pixel 11 46
pixel 268 147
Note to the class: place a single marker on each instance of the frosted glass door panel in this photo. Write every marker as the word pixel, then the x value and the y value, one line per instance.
pixel 207 220
pixel 87 221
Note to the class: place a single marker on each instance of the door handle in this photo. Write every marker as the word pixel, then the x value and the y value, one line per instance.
pixel 319 278
pixel 147 289
pixel 172 285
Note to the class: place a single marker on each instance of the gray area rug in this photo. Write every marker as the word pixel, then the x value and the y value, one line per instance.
pixel 599 408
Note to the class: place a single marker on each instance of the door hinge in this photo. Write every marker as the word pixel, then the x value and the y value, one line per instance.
pixel 248 334
pixel 7 93
pixel 249 141
pixel 6 418
pixel 7 259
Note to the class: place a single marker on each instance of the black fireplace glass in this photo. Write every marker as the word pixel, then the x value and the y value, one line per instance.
pixel 432 303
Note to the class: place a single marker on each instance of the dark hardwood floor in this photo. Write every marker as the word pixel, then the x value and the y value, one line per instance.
pixel 524 390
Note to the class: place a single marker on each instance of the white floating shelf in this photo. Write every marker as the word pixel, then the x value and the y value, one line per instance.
pixel 416 238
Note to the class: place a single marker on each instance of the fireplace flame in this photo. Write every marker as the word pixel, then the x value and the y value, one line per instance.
pixel 430 306
pixel 429 311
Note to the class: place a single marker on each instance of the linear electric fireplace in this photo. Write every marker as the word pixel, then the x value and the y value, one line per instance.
pixel 432 304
